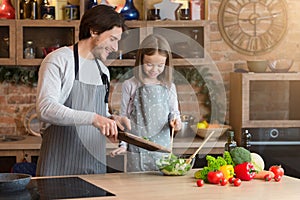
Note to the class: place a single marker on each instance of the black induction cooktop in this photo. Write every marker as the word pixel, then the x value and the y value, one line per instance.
pixel 57 188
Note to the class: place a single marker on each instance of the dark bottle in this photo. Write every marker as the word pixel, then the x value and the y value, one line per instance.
pixel 25 9
pixel 92 3
pixel 34 9
pixel 231 143
pixel 43 8
pixel 246 139
pixel 28 9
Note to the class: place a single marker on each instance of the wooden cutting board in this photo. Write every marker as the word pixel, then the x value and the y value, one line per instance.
pixel 141 142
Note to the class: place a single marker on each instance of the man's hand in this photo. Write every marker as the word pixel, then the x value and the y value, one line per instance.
pixel 107 127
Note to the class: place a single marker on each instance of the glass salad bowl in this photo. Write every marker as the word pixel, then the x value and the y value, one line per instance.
pixel 171 165
pixel 280 65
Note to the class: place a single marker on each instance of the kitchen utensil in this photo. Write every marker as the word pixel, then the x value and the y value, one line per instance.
pixel 280 65
pixel 10 182
pixel 258 66
pixel 10 138
pixel 189 160
pixel 171 142
pixel 186 131
pixel 141 142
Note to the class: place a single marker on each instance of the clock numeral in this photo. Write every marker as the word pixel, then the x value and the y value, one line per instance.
pixel 242 2
pixel 233 31
pixel 234 9
pixel 271 4
pixel 266 40
pixel 253 44
pixel 240 40
pixel 279 22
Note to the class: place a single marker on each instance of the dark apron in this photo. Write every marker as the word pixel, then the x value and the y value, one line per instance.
pixel 149 119
pixel 78 149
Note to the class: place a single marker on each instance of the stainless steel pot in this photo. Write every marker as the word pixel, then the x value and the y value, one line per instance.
pixel 186 130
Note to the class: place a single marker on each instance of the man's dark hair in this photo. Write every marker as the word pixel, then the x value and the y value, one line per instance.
pixel 99 19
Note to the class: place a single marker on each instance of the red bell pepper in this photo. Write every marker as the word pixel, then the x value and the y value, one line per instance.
pixel 245 171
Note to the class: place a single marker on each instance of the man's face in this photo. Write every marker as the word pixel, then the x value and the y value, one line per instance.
pixel 106 42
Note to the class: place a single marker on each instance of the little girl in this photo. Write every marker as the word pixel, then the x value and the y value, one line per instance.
pixel 149 100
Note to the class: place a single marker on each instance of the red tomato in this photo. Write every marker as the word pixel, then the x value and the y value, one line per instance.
pixel 200 183
pixel 231 180
pixel 277 178
pixel 215 177
pixel 223 181
pixel 268 177
pixel 277 170
pixel 237 182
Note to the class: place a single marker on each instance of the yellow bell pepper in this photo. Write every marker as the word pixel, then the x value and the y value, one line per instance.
pixel 227 170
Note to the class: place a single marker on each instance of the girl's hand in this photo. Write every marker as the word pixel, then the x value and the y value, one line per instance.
pixel 176 124
pixel 117 151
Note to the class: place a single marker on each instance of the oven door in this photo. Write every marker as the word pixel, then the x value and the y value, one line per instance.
pixel 278 147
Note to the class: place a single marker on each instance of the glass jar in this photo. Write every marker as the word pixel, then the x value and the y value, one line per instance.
pixel 29 51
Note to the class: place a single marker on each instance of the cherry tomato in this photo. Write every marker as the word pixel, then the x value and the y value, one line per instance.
pixel 215 177
pixel 277 178
pixel 231 180
pixel 223 181
pixel 200 183
pixel 237 182
pixel 268 177
pixel 277 170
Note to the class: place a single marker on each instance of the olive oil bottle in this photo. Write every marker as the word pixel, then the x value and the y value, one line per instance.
pixel 231 143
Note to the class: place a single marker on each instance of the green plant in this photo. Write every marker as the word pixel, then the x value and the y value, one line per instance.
pixel 19 75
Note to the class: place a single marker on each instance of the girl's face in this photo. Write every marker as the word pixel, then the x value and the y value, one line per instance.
pixel 154 65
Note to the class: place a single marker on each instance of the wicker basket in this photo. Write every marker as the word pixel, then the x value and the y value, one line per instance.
pixel 204 132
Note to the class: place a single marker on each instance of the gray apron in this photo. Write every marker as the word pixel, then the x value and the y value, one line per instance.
pixel 79 149
pixel 149 119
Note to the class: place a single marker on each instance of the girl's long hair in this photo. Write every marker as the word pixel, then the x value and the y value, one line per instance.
pixel 149 46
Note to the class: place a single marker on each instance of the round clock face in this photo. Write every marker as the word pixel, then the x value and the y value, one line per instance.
pixel 252 27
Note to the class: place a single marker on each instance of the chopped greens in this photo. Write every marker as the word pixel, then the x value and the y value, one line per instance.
pixel 173 166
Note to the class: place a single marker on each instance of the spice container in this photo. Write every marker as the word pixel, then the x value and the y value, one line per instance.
pixel 29 51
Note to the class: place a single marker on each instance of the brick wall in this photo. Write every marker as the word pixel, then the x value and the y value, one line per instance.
pixel 15 100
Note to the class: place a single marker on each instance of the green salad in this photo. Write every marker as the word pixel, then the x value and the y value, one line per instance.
pixel 172 165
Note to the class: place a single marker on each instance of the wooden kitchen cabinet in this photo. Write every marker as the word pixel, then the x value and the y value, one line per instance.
pixel 264 100
pixel 45 34
pixel 7 42
pixel 181 36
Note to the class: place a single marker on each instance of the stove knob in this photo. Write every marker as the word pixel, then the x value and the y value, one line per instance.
pixel 274 133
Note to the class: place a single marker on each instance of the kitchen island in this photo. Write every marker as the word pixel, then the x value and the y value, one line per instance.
pixel 30 147
pixel 153 185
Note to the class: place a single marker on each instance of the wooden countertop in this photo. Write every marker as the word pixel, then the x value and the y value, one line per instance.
pixel 181 145
pixel 153 185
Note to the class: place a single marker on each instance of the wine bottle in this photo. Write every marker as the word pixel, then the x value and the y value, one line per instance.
pixel 246 139
pixel 34 9
pixel 25 10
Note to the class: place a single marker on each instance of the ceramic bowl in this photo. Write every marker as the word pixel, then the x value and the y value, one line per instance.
pixel 257 66
pixel 280 65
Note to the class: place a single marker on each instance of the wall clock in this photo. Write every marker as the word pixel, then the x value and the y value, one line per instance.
pixel 252 27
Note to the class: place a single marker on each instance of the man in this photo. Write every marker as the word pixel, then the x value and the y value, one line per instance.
pixel 72 98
